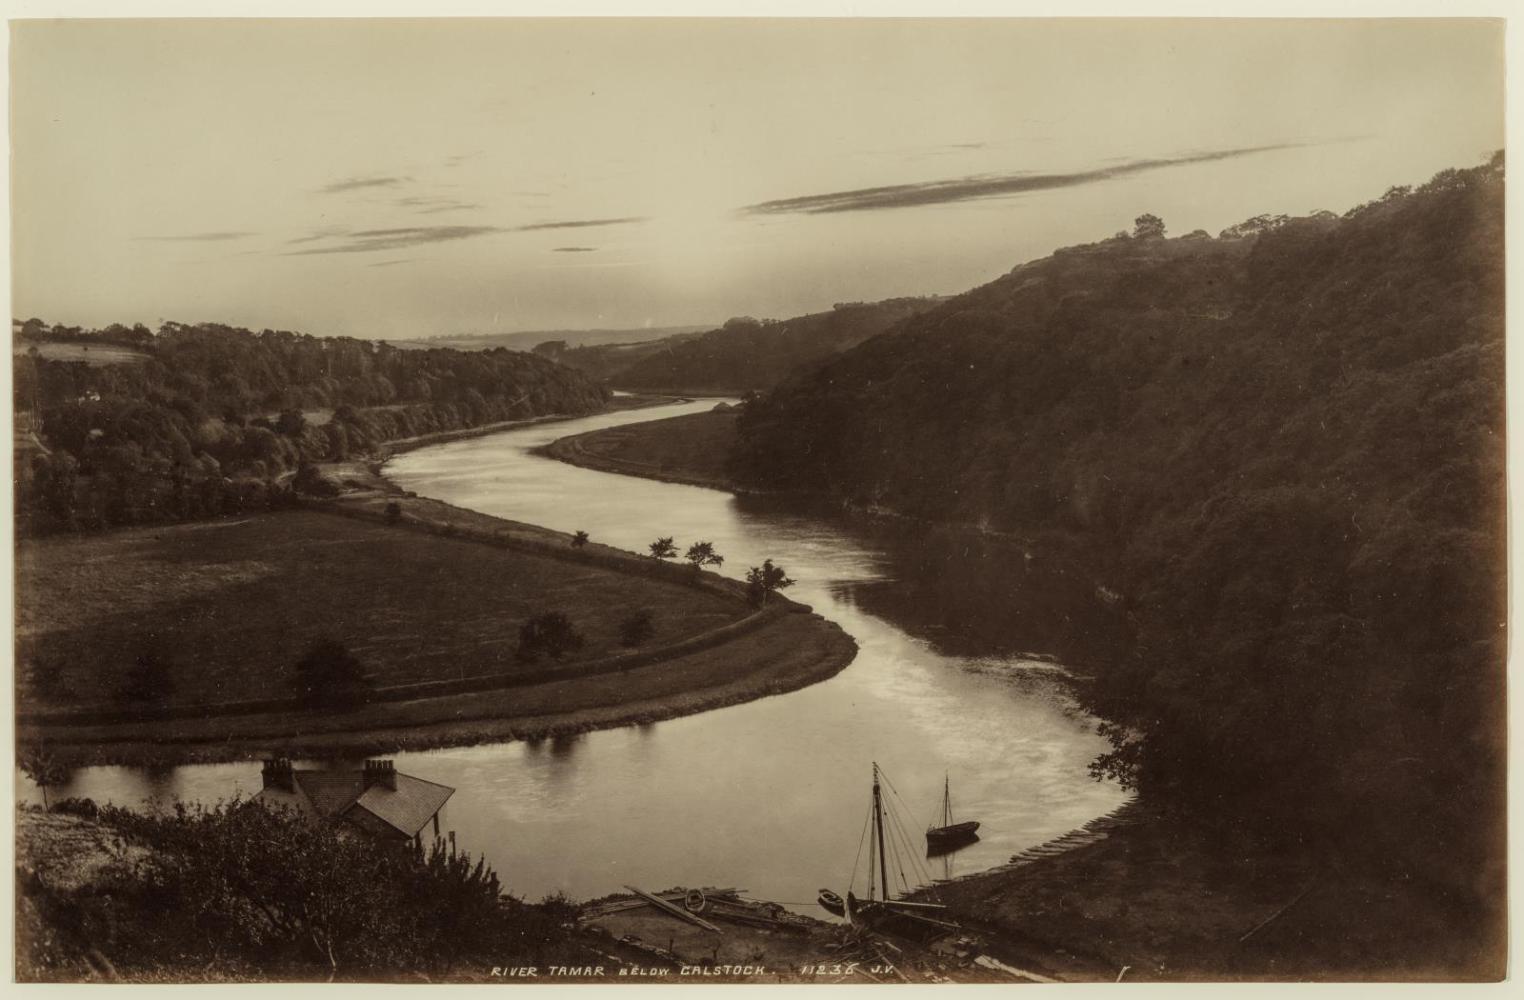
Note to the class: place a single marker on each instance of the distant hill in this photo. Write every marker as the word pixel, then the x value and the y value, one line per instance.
pixel 745 353
pixel 525 340
pixel 1285 447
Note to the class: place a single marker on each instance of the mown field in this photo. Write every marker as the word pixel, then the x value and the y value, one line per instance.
pixel 231 606
pixel 93 354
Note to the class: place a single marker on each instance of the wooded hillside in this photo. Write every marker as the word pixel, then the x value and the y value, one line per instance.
pixel 213 414
pixel 1285 447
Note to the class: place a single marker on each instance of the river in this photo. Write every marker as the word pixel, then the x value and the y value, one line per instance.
pixel 768 796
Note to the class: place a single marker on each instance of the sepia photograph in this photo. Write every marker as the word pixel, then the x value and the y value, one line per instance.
pixel 847 500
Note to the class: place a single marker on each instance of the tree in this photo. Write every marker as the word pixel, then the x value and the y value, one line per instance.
pixel 579 539
pixel 290 423
pixel 551 633
pixel 309 479
pixel 702 554
pixel 149 679
pixel 329 675
pixel 1148 227
pixel 765 579
pixel 44 769
pixel 663 548
pixel 636 629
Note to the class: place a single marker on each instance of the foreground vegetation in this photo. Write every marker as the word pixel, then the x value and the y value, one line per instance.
pixel 240 892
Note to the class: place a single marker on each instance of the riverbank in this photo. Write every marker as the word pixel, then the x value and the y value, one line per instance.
pixel 1146 896
pixel 690 449
pixel 227 608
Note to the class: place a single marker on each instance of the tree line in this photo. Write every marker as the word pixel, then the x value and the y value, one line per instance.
pixel 215 418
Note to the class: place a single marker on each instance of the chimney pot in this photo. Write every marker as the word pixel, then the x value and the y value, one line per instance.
pixel 276 773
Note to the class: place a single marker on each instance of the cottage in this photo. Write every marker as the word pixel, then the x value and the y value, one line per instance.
pixel 377 799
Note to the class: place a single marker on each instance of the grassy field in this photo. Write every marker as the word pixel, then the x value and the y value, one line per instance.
pixel 93 354
pixel 688 449
pixel 231 606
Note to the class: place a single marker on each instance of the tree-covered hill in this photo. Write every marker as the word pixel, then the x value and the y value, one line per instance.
pixel 1285 447
pixel 745 353
pixel 213 414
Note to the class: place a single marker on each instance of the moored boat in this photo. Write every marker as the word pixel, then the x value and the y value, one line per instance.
pixel 950 835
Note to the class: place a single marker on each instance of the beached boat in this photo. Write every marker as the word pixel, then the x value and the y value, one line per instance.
pixel 832 903
pixel 949 835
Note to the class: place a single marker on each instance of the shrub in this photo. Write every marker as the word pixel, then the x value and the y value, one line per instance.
pixel 551 633
pixel 636 629
pixel 150 678
pixel 329 675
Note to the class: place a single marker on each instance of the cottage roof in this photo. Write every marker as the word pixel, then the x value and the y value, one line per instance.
pixel 404 810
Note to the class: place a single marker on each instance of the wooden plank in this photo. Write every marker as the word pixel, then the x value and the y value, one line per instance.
pixel 662 904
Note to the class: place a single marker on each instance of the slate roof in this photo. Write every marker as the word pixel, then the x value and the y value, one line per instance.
pixel 403 811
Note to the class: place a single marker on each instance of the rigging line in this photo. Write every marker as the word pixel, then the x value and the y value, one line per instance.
pixel 898 829
pixel 852 882
pixel 904 834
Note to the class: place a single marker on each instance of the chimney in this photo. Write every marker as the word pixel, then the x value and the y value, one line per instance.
pixel 381 772
pixel 277 774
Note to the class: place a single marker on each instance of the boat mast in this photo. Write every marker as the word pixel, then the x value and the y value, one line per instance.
pixel 946 800
pixel 878 822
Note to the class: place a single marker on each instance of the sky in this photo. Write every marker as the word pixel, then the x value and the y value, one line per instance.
pixel 412 178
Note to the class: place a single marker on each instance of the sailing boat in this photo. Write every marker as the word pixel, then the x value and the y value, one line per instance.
pixel 950 835
pixel 879 912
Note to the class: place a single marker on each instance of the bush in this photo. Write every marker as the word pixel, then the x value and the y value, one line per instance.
pixel 150 678
pixel 636 629
pixel 311 481
pixel 239 885
pixel 551 633
pixel 329 675
pixel 393 512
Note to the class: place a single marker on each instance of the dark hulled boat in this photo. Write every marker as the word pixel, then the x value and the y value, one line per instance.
pixel 950 835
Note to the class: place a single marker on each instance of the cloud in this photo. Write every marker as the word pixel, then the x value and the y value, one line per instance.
pixel 984 186
pixel 574 249
pixel 374 240
pixel 431 206
pixel 360 183
pixel 198 237
pixel 579 224
pixel 389 263
pixel 320 234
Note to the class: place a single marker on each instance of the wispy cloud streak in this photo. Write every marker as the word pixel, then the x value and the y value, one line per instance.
pixel 361 183
pixel 218 237
pixel 982 186
pixel 574 250
pixel 580 223
pixel 423 205
pixel 375 240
